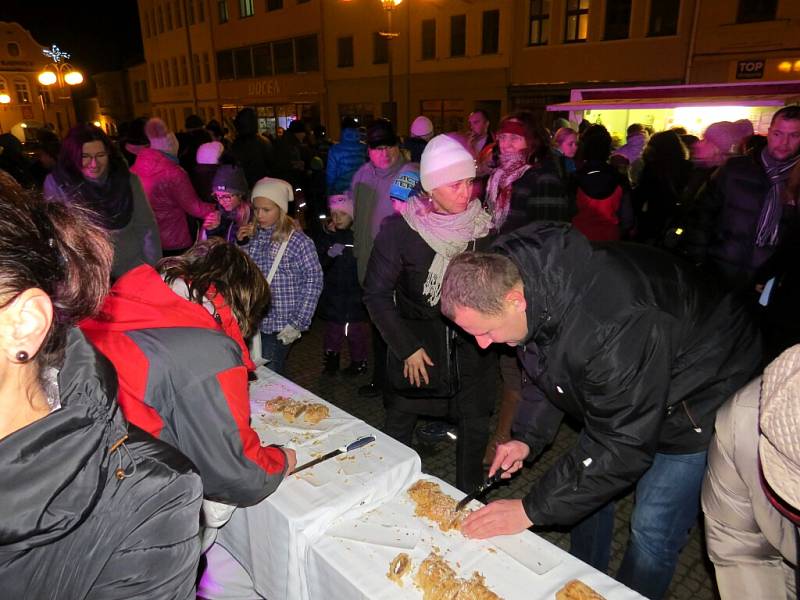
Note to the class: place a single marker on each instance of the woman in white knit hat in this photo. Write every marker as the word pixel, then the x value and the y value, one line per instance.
pixel 288 259
pixel 402 291
pixel 751 492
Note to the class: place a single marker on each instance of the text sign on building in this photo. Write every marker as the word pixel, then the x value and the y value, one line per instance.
pixel 750 69
pixel 267 87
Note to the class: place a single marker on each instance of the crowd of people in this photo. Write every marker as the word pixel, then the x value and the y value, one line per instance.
pixel 645 291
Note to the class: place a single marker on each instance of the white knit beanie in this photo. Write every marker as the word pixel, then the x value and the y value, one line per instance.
pixel 277 190
pixel 161 138
pixel 422 127
pixel 444 161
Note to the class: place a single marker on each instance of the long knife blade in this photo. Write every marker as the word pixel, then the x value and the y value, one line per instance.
pixel 362 441
pixel 480 489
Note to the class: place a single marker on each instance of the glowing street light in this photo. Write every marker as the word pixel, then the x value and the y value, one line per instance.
pixel 73 78
pixel 5 98
pixel 47 78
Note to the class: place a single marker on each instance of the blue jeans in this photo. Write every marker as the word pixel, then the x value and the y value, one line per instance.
pixel 274 351
pixel 665 510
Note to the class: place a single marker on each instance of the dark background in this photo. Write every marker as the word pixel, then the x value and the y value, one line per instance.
pixel 100 36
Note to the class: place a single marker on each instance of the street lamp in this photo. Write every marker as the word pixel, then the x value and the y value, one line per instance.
pixel 5 98
pixel 389 6
pixel 58 72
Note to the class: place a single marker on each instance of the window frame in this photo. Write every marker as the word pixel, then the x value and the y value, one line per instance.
pixel 743 18
pixel 493 45
pixel 428 44
pixel 580 14
pixel 380 42
pixel 651 32
pixel 223 14
pixel 458 44
pixel 618 10
pixel 247 9
pixel 543 19
pixel 348 41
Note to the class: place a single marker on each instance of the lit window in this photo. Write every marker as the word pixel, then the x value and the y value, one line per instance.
pixel 23 93
pixel 577 21
pixel 539 27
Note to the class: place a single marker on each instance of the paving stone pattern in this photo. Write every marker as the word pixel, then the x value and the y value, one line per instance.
pixel 693 578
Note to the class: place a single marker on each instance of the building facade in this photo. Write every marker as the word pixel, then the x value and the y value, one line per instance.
pixel 25 104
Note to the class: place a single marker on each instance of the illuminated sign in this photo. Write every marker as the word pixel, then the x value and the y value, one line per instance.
pixel 750 69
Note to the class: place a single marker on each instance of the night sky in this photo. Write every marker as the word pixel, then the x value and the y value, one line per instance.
pixel 100 35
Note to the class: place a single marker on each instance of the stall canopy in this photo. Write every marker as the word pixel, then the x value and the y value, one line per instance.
pixel 691 106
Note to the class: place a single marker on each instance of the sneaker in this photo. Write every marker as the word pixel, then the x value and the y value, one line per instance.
pixel 369 391
pixel 356 368
pixel 437 431
pixel 331 362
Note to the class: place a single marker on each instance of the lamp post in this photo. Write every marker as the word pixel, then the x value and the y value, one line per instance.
pixel 389 6
pixel 58 72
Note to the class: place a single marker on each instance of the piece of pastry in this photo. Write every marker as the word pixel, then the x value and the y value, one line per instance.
pixel 577 590
pixel 293 410
pixel 315 413
pixel 435 505
pixel 438 581
pixel 277 404
pixel 400 565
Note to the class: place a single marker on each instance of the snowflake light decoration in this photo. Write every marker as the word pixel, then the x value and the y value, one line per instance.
pixel 56 53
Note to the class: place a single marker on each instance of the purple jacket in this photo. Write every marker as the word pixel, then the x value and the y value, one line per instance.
pixel 171 195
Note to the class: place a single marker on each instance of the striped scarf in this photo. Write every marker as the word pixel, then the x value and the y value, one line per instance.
pixel 769 220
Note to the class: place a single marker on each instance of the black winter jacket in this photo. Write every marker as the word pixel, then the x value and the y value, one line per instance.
pixel 722 222
pixel 69 527
pixel 340 301
pixel 630 342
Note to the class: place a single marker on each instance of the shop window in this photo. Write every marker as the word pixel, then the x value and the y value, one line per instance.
pixel 380 49
pixel 428 39
pixel 458 35
pixel 22 91
pixel 274 4
pixel 577 21
pixel 246 9
pixel 752 11
pixel 539 26
pixel 225 64
pixel 222 11
pixel 206 67
pixel 262 60
pixel 490 43
pixel 344 52
pixel 664 17
pixel 201 11
pixel 446 115
pixel 283 57
pixel 306 54
pixel 618 20
pixel 244 63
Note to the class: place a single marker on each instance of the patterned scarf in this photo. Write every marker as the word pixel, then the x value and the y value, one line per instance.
pixel 769 220
pixel 498 192
pixel 447 235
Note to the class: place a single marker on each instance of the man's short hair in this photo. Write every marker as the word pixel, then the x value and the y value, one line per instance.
pixel 634 129
pixel 478 280
pixel 790 113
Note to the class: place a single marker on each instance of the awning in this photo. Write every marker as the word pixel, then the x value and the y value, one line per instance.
pixel 758 94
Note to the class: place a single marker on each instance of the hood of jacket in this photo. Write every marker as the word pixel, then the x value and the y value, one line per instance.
pixel 55 469
pixel 153 162
pixel 140 299
pixel 350 135
pixel 552 259
pixel 597 180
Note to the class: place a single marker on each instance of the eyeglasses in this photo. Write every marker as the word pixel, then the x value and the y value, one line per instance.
pixel 88 158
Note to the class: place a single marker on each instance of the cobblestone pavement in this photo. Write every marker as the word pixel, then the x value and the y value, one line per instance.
pixel 693 578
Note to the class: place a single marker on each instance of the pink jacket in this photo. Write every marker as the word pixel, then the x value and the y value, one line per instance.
pixel 171 196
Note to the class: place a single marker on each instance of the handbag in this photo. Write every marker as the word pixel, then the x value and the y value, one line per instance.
pixel 444 379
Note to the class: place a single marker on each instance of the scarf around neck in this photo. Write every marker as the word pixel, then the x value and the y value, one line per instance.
pixel 769 220
pixel 447 235
pixel 498 192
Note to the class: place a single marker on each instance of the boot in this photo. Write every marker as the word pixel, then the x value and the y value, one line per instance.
pixel 508 409
pixel 356 368
pixel 331 362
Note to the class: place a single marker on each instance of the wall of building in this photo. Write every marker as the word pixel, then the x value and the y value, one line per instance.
pixel 726 50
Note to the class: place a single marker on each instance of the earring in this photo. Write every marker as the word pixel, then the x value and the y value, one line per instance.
pixel 22 356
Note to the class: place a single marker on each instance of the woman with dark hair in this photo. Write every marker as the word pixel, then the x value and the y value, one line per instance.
pixel 176 337
pixel 665 175
pixel 602 196
pixel 92 173
pixel 528 183
pixel 82 491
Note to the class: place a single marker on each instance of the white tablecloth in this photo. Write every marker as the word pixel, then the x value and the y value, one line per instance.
pixel 271 539
pixel 351 560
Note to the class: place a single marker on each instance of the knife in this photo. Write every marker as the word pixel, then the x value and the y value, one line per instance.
pixel 362 441
pixel 480 489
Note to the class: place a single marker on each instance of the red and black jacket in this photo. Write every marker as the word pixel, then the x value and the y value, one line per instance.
pixel 183 378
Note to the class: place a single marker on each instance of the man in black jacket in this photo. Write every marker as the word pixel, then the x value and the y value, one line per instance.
pixel 640 350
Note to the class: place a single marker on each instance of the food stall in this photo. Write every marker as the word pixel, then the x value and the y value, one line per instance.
pixel 332 531
pixel 694 107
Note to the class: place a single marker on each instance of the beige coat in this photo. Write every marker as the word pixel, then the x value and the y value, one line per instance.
pixel 750 543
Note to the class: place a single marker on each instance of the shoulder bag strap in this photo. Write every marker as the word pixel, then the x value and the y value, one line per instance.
pixel 277 261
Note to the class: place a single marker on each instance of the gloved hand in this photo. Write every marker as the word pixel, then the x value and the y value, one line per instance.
pixel 288 334
pixel 335 250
